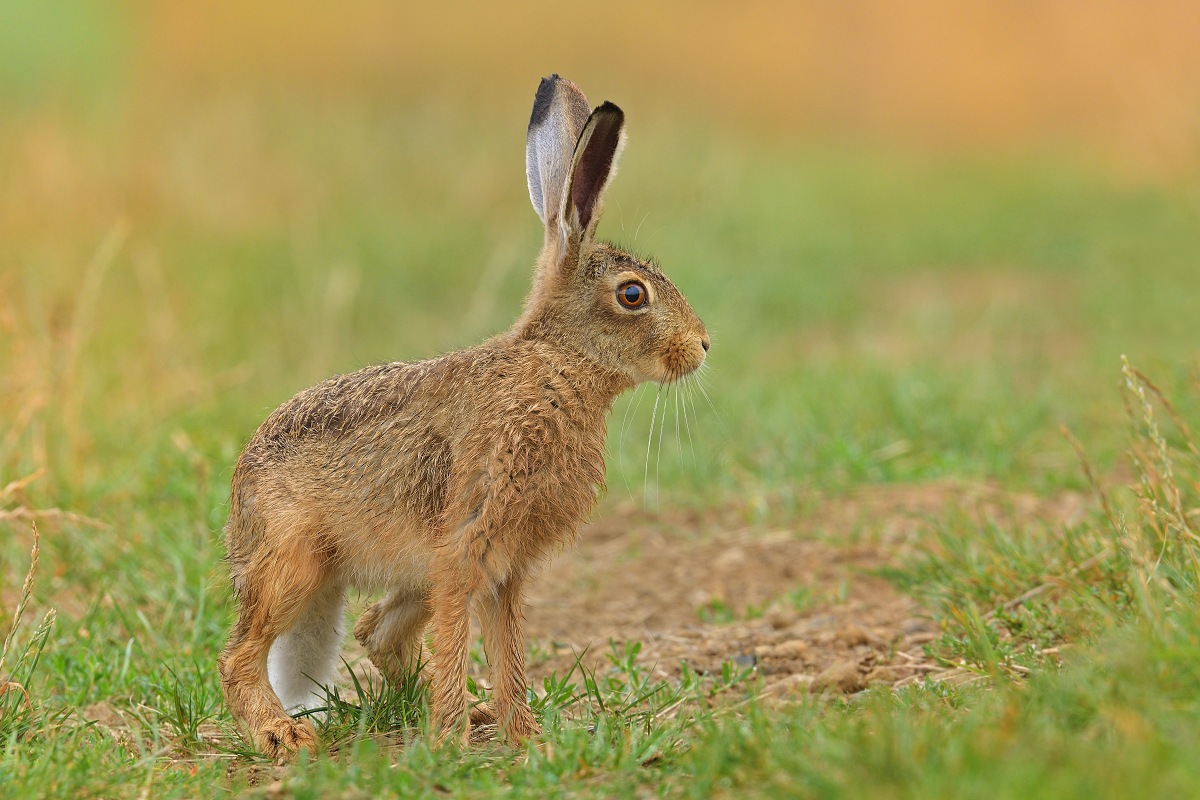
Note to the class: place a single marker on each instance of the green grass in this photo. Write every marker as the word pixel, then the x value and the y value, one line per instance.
pixel 173 272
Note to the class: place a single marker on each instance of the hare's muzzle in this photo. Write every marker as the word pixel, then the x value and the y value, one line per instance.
pixel 685 354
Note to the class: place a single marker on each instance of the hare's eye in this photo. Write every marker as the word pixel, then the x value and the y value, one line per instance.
pixel 631 295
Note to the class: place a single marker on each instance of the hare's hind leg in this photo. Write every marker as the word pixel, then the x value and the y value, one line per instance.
pixel 303 660
pixel 273 593
pixel 503 621
pixel 392 630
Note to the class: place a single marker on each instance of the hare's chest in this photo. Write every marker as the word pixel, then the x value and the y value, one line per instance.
pixel 569 484
pixel 545 479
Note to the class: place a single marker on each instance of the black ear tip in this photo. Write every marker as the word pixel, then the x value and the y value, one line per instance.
pixel 541 101
pixel 608 107
pixel 608 117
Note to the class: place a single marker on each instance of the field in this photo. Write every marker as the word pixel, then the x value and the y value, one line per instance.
pixel 928 524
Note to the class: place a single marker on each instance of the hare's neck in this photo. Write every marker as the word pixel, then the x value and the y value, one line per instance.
pixel 596 385
pixel 586 377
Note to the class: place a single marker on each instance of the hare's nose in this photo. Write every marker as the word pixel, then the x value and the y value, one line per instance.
pixel 704 342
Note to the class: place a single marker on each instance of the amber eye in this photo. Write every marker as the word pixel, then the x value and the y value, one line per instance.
pixel 631 295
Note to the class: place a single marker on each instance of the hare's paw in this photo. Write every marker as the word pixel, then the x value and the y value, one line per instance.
pixel 520 726
pixel 482 714
pixel 282 739
pixel 454 737
pixel 396 668
pixel 391 631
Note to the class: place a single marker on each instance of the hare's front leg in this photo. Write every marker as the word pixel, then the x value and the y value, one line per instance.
pixel 503 620
pixel 454 586
pixel 392 630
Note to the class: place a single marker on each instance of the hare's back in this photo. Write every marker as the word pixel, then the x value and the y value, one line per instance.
pixel 353 446
pixel 342 405
pixel 357 465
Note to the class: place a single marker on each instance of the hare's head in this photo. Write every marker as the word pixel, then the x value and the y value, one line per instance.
pixel 617 309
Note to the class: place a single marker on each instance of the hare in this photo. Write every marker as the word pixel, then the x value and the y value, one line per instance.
pixel 446 482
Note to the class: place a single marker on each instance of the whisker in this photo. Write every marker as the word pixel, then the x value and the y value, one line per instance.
pixel 655 232
pixel 637 398
pixel 650 441
pixel 631 409
pixel 678 438
pixel 687 398
pixel 704 392
pixel 699 384
pixel 639 227
pixel 658 459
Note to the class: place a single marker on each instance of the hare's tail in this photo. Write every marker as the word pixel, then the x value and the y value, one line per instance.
pixel 303 661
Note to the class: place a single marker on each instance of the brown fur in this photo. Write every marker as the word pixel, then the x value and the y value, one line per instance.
pixel 445 482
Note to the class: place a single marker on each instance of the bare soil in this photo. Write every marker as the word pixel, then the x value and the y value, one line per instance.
pixel 802 605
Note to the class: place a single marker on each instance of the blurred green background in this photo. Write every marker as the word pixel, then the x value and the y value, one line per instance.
pixel 921 234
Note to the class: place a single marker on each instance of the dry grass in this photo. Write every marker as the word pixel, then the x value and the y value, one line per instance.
pixel 1160 540
pixel 19 510
pixel 13 712
pixel 22 602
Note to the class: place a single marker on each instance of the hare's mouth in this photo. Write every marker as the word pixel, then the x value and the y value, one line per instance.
pixel 683 356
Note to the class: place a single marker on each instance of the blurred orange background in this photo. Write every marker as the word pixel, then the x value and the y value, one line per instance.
pixel 1121 80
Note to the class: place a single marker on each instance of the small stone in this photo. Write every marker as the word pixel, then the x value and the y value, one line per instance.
pixel 745 660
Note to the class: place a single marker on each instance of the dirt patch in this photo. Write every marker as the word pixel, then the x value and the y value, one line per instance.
pixel 776 601
pixel 802 605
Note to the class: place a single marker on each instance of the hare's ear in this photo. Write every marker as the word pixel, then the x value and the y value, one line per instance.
pixel 594 164
pixel 559 113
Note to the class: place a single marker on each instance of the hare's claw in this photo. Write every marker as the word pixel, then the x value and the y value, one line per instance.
pixel 282 739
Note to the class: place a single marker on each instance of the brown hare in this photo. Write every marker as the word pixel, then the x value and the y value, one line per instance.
pixel 446 482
